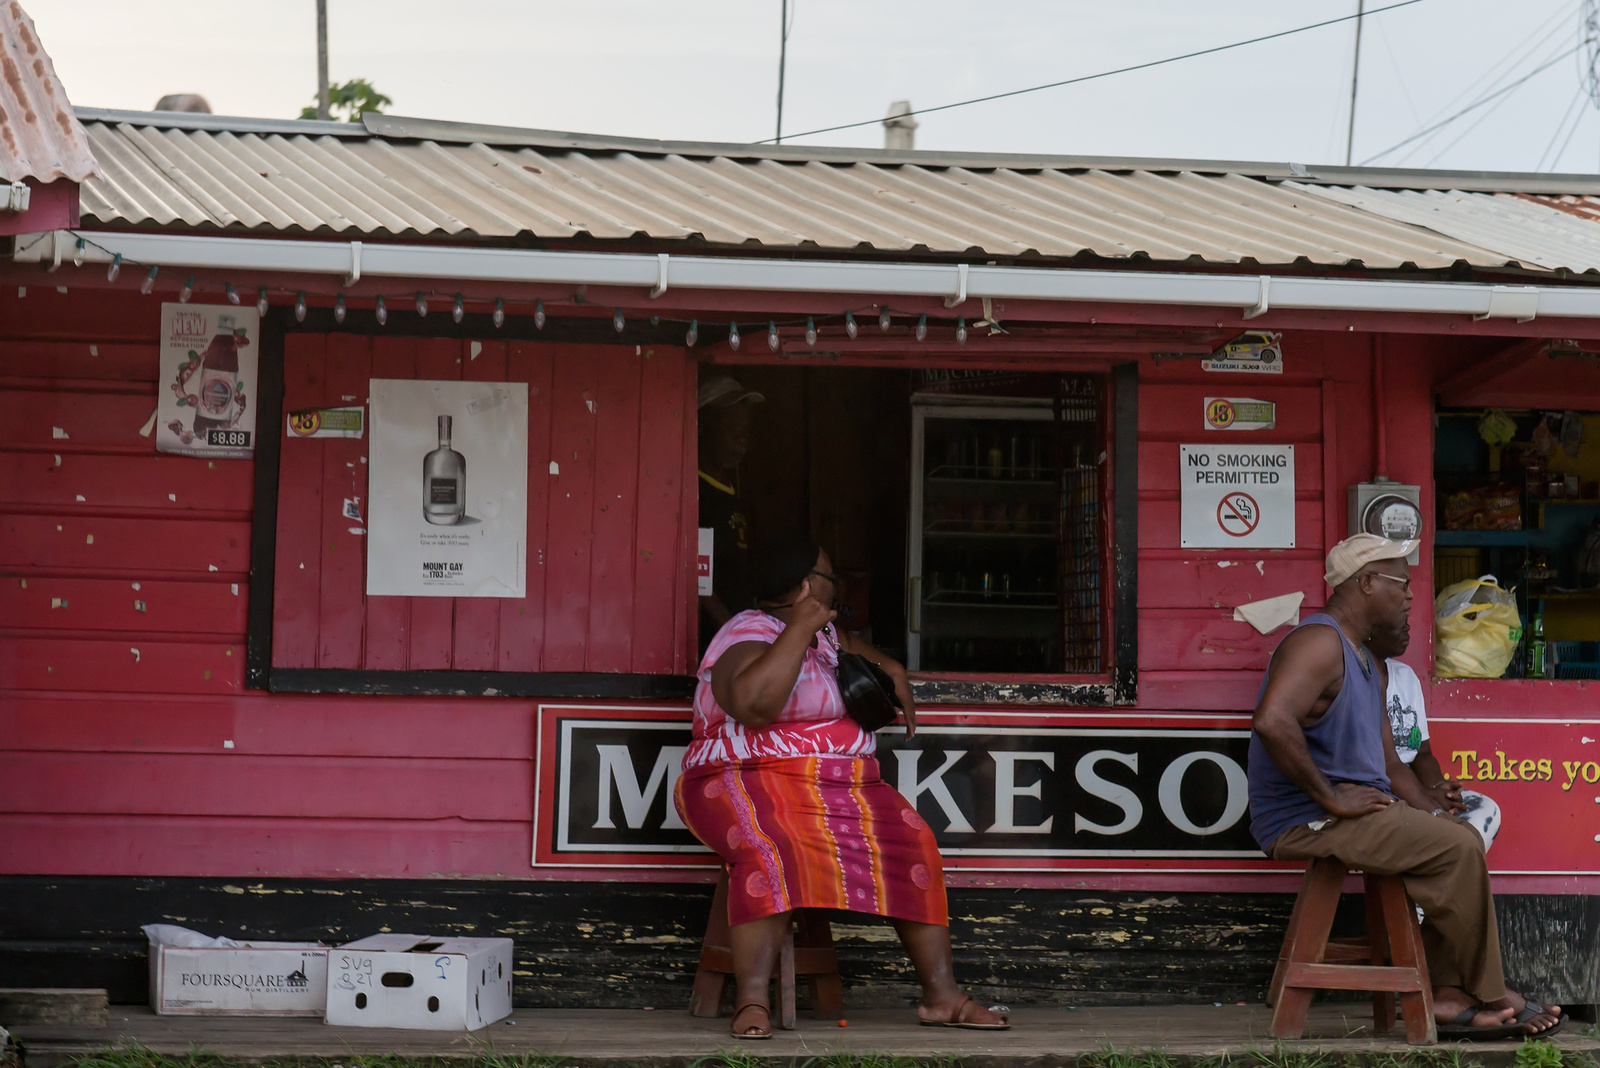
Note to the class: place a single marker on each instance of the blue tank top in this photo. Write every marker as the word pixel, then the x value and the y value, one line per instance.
pixel 1346 743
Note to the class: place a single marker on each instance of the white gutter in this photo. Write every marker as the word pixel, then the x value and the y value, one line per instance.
pixel 654 272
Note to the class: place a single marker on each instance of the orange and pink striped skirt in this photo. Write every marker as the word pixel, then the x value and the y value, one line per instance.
pixel 815 832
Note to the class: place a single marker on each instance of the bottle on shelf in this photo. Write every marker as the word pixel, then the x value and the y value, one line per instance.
pixel 1536 646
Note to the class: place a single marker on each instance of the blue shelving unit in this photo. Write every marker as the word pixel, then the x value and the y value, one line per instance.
pixel 1486 538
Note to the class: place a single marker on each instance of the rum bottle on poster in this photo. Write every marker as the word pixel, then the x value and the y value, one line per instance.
pixel 218 402
pixel 444 481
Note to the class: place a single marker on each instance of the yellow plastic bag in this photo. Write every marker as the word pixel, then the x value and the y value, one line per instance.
pixel 1476 629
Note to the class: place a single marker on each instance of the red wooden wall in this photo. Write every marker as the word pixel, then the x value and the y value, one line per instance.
pixel 609 522
pixel 129 746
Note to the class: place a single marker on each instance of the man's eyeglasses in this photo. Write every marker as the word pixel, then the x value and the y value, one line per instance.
pixel 1405 582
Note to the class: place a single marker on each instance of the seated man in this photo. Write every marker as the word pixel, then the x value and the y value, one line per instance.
pixel 1319 788
pixel 1415 776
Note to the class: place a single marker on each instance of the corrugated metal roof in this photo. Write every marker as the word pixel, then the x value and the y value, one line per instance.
pixel 40 137
pixel 1528 229
pixel 408 177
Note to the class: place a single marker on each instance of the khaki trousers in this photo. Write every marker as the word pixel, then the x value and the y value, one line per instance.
pixel 1442 864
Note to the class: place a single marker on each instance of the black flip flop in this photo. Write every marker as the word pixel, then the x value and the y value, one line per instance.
pixel 1459 1029
pixel 1532 1009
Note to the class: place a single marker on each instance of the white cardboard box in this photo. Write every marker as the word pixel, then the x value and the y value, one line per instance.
pixel 420 982
pixel 248 979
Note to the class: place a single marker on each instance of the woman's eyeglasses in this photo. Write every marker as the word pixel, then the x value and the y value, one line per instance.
pixel 827 575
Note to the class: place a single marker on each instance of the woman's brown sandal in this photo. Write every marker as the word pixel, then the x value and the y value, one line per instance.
pixel 760 1031
pixel 956 1020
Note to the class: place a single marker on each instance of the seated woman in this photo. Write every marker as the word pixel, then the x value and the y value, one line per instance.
pixel 784 785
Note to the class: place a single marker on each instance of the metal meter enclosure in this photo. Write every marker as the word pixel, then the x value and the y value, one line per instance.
pixel 1388 509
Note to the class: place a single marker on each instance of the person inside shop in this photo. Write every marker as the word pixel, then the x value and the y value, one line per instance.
pixel 726 410
pixel 1319 787
pixel 1415 775
pixel 785 786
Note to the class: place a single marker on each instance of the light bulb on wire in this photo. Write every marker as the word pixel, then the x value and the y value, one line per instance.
pixel 850 326
pixel 77 253
pixel 115 268
pixel 261 301
pixel 300 307
pixel 149 282
pixel 922 327
pixel 338 308
pixel 422 305
pixel 617 321
pixel 538 315
pixel 961 331
pixel 883 319
pixel 692 335
pixel 499 315
pixel 733 336
pixel 187 291
pixel 383 312
pixel 772 335
pixel 231 293
pixel 459 311
pixel 811 331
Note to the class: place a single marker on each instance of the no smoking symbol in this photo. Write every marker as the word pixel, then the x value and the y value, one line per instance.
pixel 1238 514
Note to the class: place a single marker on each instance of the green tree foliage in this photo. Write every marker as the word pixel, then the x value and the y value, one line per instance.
pixel 346 102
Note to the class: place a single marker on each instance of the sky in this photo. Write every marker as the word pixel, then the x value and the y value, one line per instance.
pixel 706 70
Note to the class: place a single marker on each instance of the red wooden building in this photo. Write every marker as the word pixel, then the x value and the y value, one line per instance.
pixel 983 378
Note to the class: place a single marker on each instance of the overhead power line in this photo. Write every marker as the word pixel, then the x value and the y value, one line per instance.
pixel 1110 73
pixel 1476 104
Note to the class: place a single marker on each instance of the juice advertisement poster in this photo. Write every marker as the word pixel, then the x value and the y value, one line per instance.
pixel 206 391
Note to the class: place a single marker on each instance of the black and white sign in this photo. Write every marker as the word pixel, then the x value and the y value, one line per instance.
pixel 1236 496
pixel 449 489
pixel 987 791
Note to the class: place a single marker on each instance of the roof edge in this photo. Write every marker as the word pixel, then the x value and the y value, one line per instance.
pixel 189 120
pixel 397 127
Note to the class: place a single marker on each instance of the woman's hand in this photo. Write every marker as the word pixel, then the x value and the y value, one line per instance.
pixel 809 615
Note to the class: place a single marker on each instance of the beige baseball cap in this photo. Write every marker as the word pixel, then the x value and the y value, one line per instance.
pixel 1359 550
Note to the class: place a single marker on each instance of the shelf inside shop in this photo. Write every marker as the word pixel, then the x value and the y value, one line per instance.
pixel 992 604
pixel 1047 535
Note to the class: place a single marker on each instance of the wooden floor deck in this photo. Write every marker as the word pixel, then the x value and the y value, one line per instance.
pixel 617 1038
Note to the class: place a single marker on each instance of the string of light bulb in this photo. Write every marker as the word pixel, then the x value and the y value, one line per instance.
pixel 619 322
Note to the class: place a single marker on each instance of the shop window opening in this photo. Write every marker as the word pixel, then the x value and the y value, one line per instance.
pixel 1519 499
pixel 967 512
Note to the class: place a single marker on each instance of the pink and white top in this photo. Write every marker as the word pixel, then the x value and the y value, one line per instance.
pixel 813 723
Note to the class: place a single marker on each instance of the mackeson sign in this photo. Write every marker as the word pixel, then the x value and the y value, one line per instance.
pixel 1084 792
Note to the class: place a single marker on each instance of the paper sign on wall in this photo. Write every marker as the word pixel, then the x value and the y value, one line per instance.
pixel 707 548
pixel 206 404
pixel 1236 496
pixel 448 498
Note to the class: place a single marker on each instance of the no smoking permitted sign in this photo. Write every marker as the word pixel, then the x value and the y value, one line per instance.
pixel 1236 496
pixel 1238 515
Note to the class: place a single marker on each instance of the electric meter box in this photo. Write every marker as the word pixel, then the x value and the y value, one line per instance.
pixel 1388 509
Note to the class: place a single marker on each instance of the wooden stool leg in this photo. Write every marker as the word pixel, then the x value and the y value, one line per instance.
pixel 1306 942
pixel 1378 950
pixel 827 989
pixel 706 998
pixel 1405 949
pixel 786 979
pixel 1276 986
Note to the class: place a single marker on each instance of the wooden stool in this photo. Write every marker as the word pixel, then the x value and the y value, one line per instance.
pixel 807 952
pixel 1388 962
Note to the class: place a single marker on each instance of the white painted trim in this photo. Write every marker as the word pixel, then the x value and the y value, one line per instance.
pixel 647 271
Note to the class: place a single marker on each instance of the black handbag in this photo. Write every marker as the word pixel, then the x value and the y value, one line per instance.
pixel 868 691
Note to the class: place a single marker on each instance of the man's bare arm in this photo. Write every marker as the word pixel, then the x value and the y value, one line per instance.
pixel 1305 668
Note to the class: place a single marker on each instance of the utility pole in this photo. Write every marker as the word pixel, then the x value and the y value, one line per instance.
pixel 1355 70
pixel 783 55
pixel 323 111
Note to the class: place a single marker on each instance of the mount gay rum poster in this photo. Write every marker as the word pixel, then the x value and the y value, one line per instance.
pixel 207 391
pixel 448 482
